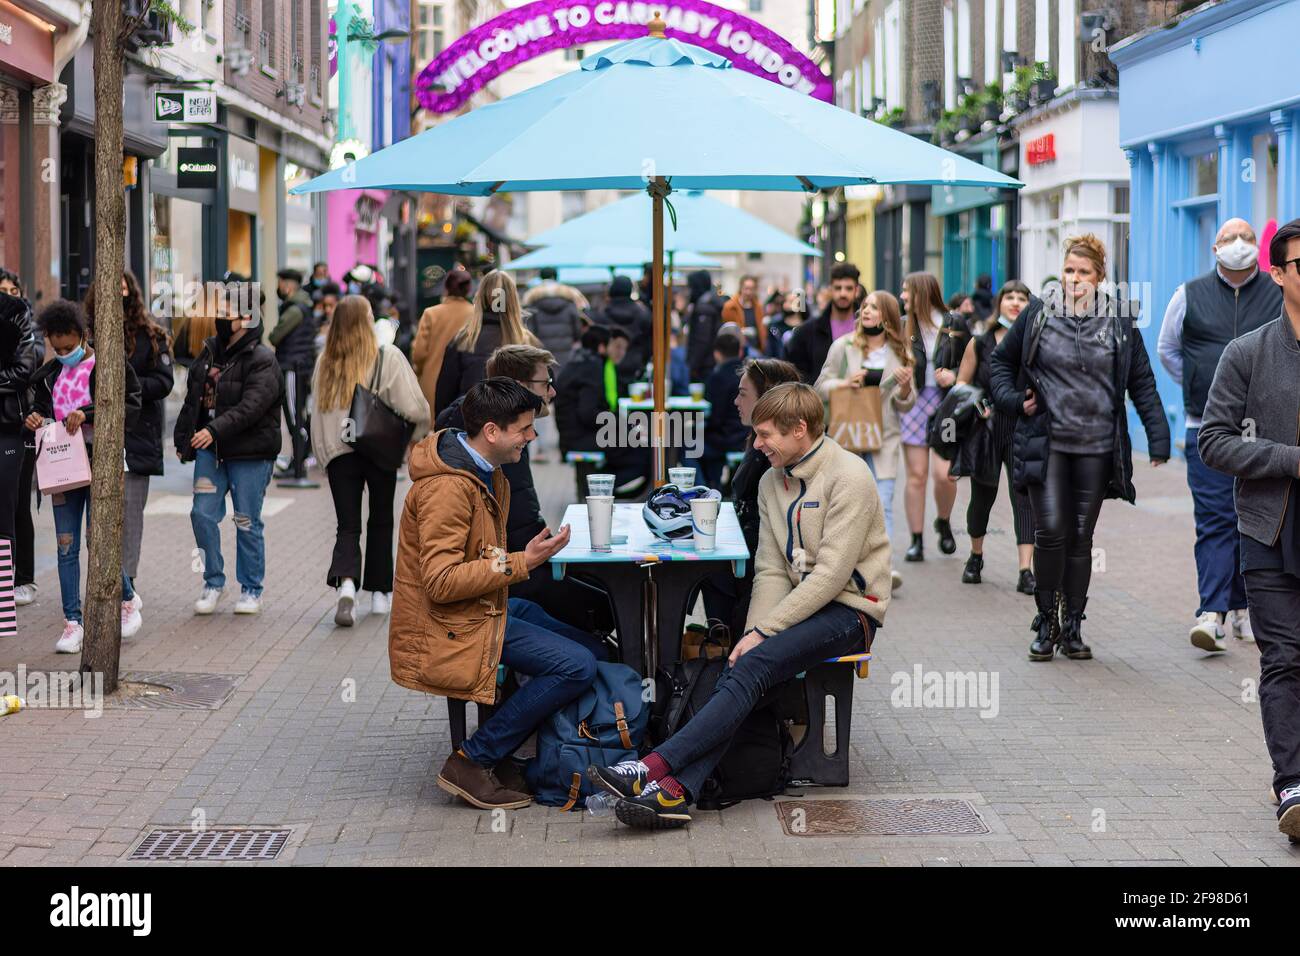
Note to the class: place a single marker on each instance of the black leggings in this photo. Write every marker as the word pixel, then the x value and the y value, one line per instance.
pixel 1066 507
pixel 983 496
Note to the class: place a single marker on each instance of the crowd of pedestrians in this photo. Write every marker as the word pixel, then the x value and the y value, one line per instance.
pixel 985 385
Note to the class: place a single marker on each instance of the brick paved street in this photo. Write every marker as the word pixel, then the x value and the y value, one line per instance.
pixel 1145 756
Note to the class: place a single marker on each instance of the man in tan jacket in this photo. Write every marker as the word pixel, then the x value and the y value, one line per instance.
pixel 821 587
pixel 453 621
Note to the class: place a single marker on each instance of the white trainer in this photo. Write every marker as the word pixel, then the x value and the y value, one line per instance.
pixel 207 602
pixel 248 604
pixel 25 594
pixel 1241 628
pixel 347 592
pixel 380 603
pixel 70 642
pixel 1207 633
pixel 131 620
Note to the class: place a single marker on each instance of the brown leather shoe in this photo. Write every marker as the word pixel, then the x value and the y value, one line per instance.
pixel 478 785
pixel 510 774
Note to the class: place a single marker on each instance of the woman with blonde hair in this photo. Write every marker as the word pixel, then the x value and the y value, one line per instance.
pixel 1063 371
pixel 353 357
pixel 938 341
pixel 877 353
pixel 497 320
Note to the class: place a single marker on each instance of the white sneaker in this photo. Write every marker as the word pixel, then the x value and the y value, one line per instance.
pixel 895 580
pixel 1240 622
pixel 131 619
pixel 248 604
pixel 207 602
pixel 1207 634
pixel 347 592
pixel 25 594
pixel 70 642
pixel 380 603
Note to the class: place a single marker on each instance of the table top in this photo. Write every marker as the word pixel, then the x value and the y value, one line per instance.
pixel 676 403
pixel 642 546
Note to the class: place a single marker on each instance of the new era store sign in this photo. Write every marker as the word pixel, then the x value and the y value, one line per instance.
pixel 184 106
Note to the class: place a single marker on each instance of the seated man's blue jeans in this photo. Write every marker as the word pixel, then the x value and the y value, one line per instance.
pixel 69 507
pixel 695 750
pixel 246 483
pixel 560 662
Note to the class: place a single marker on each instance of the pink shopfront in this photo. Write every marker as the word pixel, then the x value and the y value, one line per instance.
pixel 358 231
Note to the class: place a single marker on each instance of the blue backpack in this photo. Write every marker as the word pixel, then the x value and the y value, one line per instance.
pixel 604 726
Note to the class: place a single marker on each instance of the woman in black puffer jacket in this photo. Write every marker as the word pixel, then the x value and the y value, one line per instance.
pixel 1063 371
pixel 148 352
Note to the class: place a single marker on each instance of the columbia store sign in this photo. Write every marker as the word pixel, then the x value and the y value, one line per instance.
pixel 184 106
pixel 518 35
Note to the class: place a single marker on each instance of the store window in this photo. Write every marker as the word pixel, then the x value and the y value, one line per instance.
pixel 300 220
pixel 1119 250
pixel 176 250
pixel 1203 174
pixel 1263 153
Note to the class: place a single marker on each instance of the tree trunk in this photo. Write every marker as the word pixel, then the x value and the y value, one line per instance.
pixel 102 645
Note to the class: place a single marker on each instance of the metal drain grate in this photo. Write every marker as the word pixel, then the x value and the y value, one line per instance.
pixel 217 844
pixel 166 690
pixel 879 817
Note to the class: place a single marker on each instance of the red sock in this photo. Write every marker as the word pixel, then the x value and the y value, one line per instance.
pixel 656 767
pixel 670 786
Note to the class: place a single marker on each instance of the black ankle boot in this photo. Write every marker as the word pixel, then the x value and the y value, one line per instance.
pixel 917 551
pixel 947 543
pixel 1047 625
pixel 1072 645
pixel 974 565
pixel 1027 584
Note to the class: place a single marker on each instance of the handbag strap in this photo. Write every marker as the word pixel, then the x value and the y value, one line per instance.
pixel 377 375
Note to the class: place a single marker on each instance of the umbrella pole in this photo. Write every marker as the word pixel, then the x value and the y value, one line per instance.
pixel 658 189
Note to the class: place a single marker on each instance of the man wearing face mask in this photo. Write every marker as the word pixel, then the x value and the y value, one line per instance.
pixel 229 427
pixel 1203 316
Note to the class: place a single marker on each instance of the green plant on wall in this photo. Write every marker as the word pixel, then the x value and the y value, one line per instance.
pixel 894 117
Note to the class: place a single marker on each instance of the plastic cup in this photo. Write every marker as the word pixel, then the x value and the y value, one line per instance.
pixel 638 391
pixel 600 521
pixel 600 485
pixel 704 522
pixel 697 391
pixel 682 476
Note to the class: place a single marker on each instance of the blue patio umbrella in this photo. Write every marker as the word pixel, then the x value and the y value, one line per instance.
pixel 703 225
pixel 664 115
pixel 601 254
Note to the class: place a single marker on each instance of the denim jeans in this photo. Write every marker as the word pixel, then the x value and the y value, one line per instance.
pixel 885 486
pixel 560 662
pixel 246 482
pixel 695 750
pixel 68 510
pixel 1218 558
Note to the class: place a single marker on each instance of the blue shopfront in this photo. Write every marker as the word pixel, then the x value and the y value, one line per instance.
pixel 979 224
pixel 1210 123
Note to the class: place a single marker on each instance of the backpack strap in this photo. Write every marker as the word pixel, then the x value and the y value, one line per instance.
pixel 574 788
pixel 620 720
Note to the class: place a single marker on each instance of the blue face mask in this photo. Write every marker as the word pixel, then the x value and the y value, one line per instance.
pixel 74 357
pixel 1005 322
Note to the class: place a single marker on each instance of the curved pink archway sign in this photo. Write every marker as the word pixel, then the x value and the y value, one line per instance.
pixel 518 35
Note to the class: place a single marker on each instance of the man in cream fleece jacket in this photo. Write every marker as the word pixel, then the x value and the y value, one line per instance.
pixel 821 587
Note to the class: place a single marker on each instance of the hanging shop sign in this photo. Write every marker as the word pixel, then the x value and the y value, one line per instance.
pixel 518 35
pixel 196 167
pixel 184 106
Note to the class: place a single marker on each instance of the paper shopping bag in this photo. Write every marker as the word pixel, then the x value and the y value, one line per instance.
pixel 855 421
pixel 61 460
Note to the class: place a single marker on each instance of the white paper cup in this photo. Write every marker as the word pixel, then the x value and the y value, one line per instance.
pixel 600 521
pixel 600 485
pixel 697 391
pixel 704 522
pixel 681 476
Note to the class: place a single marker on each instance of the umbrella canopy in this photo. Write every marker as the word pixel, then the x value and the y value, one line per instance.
pixel 656 114
pixel 659 108
pixel 593 276
pixel 703 225
pixel 600 254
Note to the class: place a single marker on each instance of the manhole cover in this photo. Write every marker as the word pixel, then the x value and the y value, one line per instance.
pixel 164 690
pixel 878 817
pixel 223 844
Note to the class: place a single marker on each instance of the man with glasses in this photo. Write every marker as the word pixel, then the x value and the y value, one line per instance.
pixel 1204 315
pixel 568 600
pixel 1251 431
